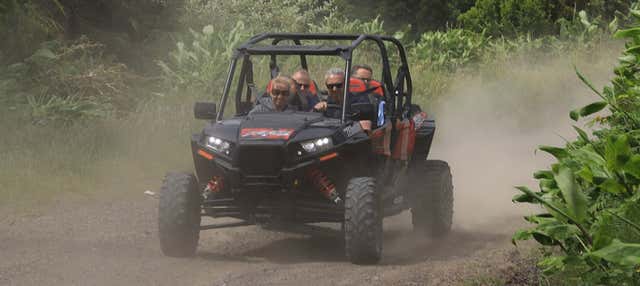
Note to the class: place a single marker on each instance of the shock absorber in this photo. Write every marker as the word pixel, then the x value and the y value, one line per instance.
pixel 214 185
pixel 324 185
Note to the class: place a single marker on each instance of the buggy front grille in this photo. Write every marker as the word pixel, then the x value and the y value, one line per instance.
pixel 261 160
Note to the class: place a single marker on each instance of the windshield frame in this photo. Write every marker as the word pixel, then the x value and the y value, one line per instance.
pixel 398 94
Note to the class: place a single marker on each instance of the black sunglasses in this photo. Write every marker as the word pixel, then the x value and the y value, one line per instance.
pixel 299 85
pixel 335 85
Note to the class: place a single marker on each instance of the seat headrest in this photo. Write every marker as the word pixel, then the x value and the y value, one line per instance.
pixel 357 85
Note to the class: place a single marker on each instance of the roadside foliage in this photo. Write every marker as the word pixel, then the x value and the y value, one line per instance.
pixel 590 197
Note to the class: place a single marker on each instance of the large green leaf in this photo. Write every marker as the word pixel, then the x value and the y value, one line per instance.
pixel 632 166
pixel 633 50
pixel 587 110
pixel 521 235
pixel 583 135
pixel 544 239
pixel 593 164
pixel 617 152
pixel 552 264
pixel 556 229
pixel 612 186
pixel 547 185
pixel 557 152
pixel 628 33
pixel 556 210
pixel 620 253
pixel 575 198
pixel 523 198
pixel 543 174
pixel 586 174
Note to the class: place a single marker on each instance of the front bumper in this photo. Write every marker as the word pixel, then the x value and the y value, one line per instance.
pixel 289 175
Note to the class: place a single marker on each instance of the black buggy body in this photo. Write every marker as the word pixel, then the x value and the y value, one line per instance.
pixel 284 170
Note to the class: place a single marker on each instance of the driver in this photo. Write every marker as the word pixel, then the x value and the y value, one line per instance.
pixel 277 100
pixel 334 80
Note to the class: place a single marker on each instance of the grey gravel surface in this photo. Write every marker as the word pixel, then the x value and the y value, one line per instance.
pixel 114 242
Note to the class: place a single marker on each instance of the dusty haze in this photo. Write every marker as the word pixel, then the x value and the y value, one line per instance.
pixel 490 125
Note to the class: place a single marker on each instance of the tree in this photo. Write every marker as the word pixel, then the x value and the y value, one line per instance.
pixel 422 15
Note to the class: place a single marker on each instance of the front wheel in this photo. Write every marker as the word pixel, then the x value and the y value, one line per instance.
pixel 179 215
pixel 432 203
pixel 363 221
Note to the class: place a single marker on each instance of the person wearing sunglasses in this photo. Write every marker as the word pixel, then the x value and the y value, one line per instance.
pixel 334 81
pixel 302 80
pixel 278 98
pixel 306 97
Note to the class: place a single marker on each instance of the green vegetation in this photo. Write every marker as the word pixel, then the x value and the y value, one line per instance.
pixel 591 194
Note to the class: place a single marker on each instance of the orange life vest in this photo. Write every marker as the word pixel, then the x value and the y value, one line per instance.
pixel 357 85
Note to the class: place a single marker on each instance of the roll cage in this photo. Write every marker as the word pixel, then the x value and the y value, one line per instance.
pixel 397 92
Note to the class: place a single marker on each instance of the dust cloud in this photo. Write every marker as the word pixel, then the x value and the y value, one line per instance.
pixel 490 124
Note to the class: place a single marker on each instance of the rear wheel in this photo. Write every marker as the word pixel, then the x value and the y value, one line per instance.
pixel 179 215
pixel 363 221
pixel 432 203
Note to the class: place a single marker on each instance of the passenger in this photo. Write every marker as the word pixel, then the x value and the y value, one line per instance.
pixel 365 74
pixel 277 101
pixel 305 89
pixel 302 79
pixel 292 86
pixel 297 99
pixel 362 72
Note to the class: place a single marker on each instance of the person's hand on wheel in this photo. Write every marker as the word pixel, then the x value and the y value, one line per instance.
pixel 321 106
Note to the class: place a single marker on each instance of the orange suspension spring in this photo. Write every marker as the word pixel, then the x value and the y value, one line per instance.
pixel 215 184
pixel 324 185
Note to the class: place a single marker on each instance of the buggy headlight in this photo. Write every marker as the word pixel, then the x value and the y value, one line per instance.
pixel 218 145
pixel 317 145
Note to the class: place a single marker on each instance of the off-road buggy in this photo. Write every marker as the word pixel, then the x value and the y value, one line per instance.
pixel 286 170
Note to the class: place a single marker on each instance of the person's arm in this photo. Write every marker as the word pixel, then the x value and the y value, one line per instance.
pixel 312 100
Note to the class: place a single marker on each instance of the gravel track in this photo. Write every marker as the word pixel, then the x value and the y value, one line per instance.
pixel 114 242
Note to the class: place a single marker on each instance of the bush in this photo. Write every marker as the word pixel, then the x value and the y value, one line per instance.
pixel 31 22
pixel 199 67
pixel 66 82
pixel 259 16
pixel 449 50
pixel 591 195
pixel 508 17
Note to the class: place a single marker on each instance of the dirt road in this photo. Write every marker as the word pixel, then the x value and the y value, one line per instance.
pixel 116 243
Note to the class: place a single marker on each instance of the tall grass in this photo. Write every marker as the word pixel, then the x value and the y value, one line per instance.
pixel 110 155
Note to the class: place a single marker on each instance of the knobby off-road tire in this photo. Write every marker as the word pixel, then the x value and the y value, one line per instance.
pixel 363 221
pixel 432 208
pixel 179 215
